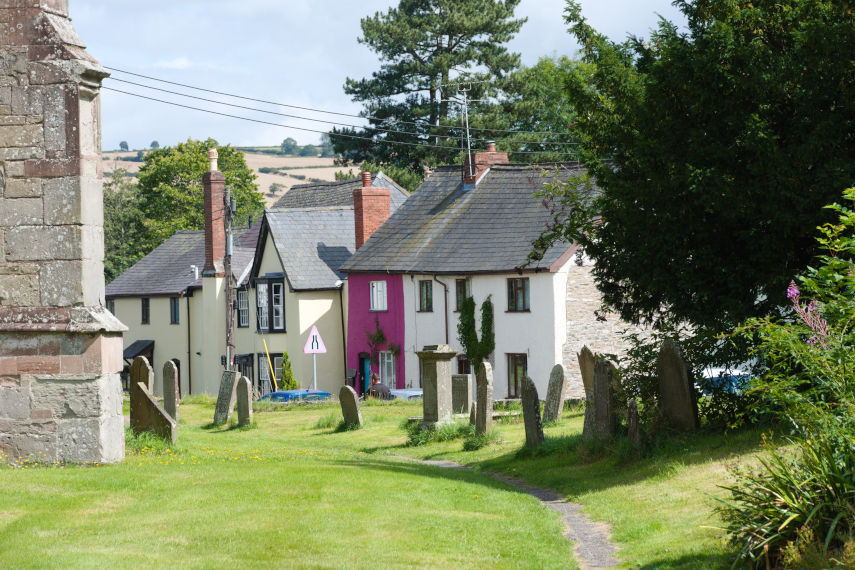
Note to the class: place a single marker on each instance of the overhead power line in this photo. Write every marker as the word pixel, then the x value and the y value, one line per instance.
pixel 325 121
pixel 323 132
pixel 319 110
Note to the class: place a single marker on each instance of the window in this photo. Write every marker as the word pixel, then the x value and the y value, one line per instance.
pixel 111 305
pixel 244 364
pixel 278 306
pixel 270 302
pixel 518 295
pixel 146 311
pixel 517 370
pixel 265 382
pixel 425 296
pixel 378 296
pixel 263 318
pixel 243 309
pixel 464 291
pixel 463 366
pixel 387 369
pixel 174 313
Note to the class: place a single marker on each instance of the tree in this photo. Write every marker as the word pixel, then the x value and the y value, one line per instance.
pixel 326 146
pixel 123 146
pixel 309 150
pixel 477 351
pixel 287 382
pixel 727 141
pixel 289 146
pixel 124 232
pixel 171 193
pixel 423 43
pixel 155 145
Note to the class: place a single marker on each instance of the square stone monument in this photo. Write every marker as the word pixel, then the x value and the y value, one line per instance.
pixel 60 350
pixel 436 384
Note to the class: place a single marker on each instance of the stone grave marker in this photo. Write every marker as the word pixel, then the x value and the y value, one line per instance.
pixel 170 389
pixel 461 393
pixel 588 431
pixel 604 416
pixel 554 395
pixel 586 367
pixel 436 382
pixel 244 401
pixel 350 406
pixel 146 413
pixel 484 405
pixel 226 397
pixel 634 431
pixel 531 413
pixel 677 398
pixel 472 414
pixel 141 373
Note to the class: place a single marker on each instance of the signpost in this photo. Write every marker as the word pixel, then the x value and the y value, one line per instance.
pixel 315 346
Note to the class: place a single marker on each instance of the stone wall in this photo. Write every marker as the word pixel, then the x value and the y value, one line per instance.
pixel 60 350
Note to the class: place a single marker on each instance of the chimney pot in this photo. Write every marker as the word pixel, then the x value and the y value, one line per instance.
pixel 366 180
pixel 491 146
pixel 213 155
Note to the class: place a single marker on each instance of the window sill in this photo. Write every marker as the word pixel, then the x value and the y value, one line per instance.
pixel 270 332
pixel 378 310
pixel 524 311
pixel 425 311
pixel 145 323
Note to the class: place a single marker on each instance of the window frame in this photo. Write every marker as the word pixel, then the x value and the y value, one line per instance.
pixel 263 368
pixel 111 306
pixel 145 310
pixel 174 310
pixel 517 285
pixel 462 364
pixel 243 309
pixel 373 294
pixel 467 291
pixel 513 381
pixel 425 286
pixel 386 359
pixel 270 307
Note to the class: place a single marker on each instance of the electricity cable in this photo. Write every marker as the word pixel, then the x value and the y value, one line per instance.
pixel 321 111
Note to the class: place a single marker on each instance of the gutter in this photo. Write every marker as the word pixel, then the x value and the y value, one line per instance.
pixel 343 331
pixel 446 306
pixel 189 353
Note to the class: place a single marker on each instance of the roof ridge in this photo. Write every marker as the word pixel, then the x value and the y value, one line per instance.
pixel 308 209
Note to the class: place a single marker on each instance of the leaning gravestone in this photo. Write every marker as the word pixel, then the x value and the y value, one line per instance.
pixel 677 398
pixel 350 406
pixel 244 402
pixel 554 395
pixel 226 397
pixel 634 430
pixel 461 393
pixel 170 389
pixel 586 367
pixel 531 413
pixel 484 409
pixel 146 413
pixel 604 416
pixel 436 382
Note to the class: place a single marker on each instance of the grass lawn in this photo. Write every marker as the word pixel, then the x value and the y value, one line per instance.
pixel 291 494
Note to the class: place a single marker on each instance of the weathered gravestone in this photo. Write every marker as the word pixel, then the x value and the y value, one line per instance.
pixel 146 413
pixel 472 414
pixel 531 413
pixel 226 398
pixel 350 406
pixel 461 393
pixel 634 430
pixel 170 389
pixel 677 398
pixel 604 415
pixel 484 405
pixel 554 395
pixel 586 367
pixel 588 430
pixel 244 401
pixel 436 383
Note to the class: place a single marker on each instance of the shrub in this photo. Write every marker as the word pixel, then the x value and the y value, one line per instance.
pixel 309 150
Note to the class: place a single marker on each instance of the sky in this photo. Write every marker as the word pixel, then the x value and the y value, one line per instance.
pixel 296 52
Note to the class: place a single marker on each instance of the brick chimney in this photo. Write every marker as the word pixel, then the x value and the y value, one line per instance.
pixel 371 207
pixel 214 182
pixel 482 162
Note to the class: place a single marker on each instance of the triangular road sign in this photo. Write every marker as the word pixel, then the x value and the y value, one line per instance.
pixel 315 345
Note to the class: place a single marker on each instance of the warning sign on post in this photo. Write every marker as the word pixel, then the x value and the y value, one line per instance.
pixel 315 345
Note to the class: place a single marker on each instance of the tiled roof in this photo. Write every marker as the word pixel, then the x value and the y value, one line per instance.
pixel 312 244
pixel 166 270
pixel 447 228
pixel 331 194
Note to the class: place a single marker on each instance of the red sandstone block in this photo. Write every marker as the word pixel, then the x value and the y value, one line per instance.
pixel 71 365
pixel 8 367
pixel 41 414
pixel 38 365
pixel 49 345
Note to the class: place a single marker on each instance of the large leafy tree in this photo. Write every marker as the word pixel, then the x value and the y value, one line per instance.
pixel 124 232
pixel 422 44
pixel 171 193
pixel 727 141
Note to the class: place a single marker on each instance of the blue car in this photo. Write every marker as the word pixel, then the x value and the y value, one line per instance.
pixel 284 396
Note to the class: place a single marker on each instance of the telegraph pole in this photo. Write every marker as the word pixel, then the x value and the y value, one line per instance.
pixel 230 303
pixel 464 88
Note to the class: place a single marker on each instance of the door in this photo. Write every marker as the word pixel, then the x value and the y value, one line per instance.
pixel 364 373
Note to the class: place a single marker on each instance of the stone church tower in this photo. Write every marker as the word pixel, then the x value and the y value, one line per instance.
pixel 60 350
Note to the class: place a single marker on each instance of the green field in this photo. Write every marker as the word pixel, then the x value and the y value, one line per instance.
pixel 290 494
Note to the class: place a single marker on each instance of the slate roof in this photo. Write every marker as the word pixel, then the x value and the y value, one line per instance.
pixel 166 270
pixel 331 194
pixel 446 228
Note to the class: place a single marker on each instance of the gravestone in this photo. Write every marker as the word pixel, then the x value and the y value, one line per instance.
pixel 436 383
pixel 484 405
pixel 588 429
pixel 350 406
pixel 677 398
pixel 226 397
pixel 461 393
pixel 554 395
pixel 146 413
pixel 604 416
pixel 634 431
pixel 586 367
pixel 170 389
pixel 531 413
pixel 244 401
pixel 472 415
pixel 140 373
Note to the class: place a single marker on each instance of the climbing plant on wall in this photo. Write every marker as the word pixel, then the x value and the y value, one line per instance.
pixel 477 351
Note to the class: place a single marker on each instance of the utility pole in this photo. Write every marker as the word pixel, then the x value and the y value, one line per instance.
pixel 230 302
pixel 465 88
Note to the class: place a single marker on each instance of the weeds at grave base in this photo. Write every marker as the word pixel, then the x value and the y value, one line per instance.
pixel 418 436
pixel 344 426
pixel 481 440
pixel 147 443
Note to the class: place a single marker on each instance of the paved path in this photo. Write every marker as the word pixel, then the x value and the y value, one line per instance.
pixel 593 548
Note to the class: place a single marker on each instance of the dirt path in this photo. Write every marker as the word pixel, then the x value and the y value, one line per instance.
pixel 593 549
